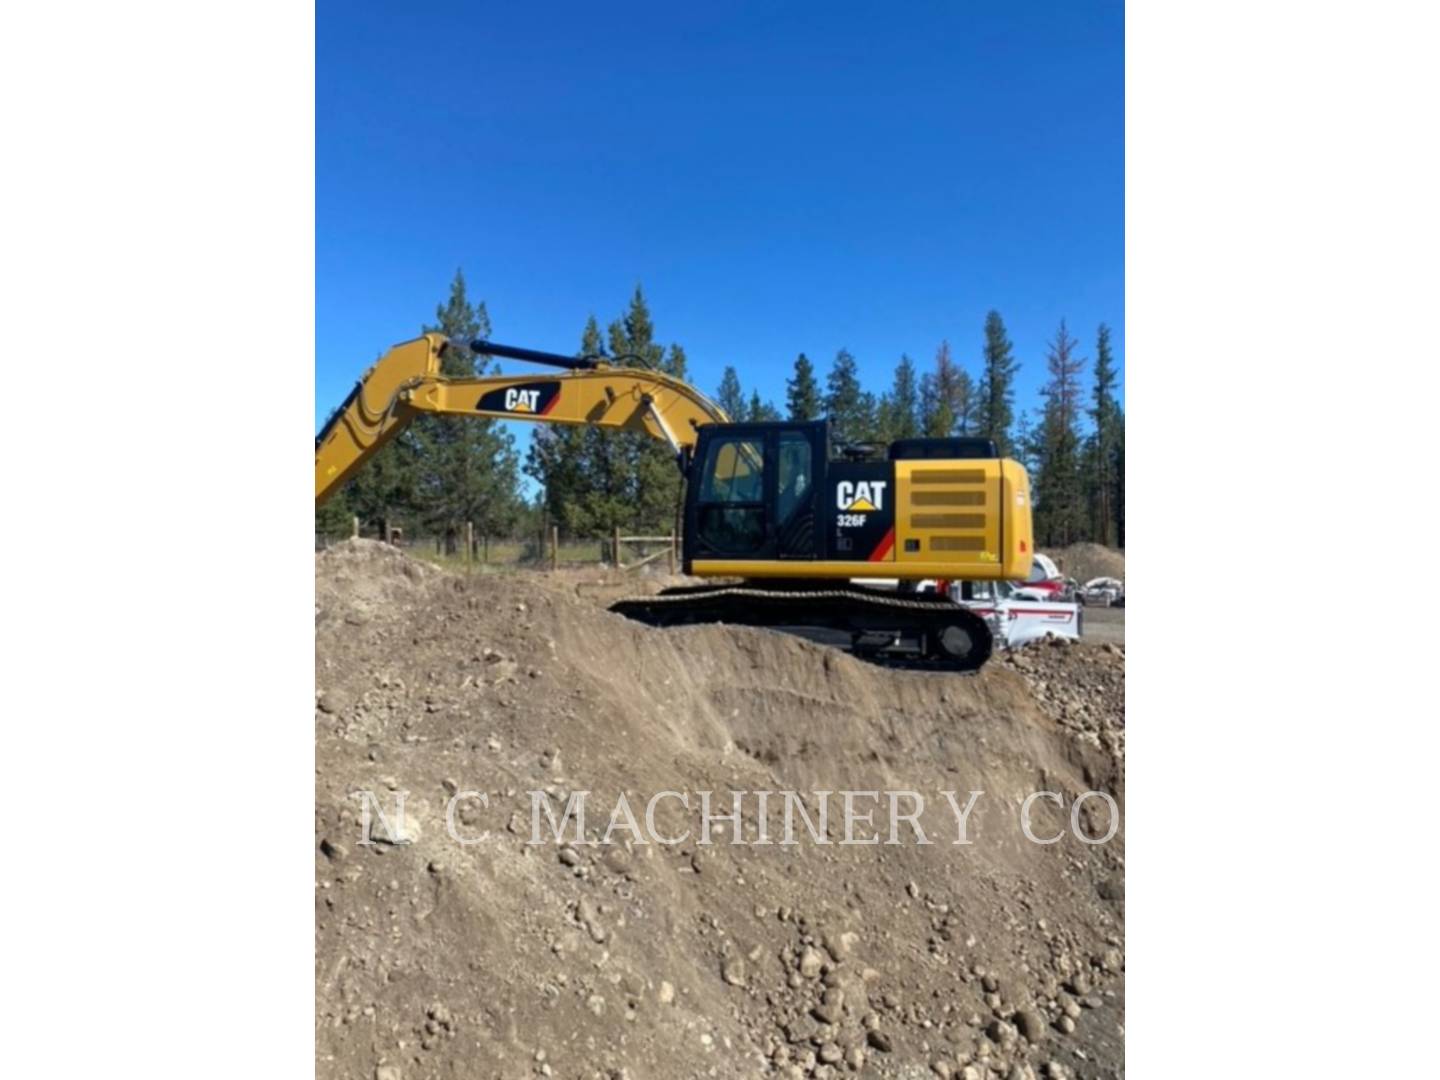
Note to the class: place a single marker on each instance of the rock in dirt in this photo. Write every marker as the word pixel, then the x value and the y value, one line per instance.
pixel 1029 1024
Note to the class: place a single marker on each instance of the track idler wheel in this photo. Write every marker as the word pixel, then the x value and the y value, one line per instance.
pixel 964 642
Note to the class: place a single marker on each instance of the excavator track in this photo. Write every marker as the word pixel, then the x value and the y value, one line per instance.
pixel 934 632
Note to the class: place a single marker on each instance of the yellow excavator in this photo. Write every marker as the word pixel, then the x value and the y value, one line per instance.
pixel 817 536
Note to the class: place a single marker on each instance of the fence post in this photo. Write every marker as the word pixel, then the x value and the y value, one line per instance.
pixel 485 548
pixel 469 545
pixel 615 551
pixel 554 547
pixel 672 552
pixel 355 527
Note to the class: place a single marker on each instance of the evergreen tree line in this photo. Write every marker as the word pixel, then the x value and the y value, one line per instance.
pixel 442 472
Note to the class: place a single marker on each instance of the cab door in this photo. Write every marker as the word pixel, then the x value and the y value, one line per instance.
pixel 729 513
pixel 798 461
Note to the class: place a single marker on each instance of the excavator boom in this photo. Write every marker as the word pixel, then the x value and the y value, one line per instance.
pixel 407 382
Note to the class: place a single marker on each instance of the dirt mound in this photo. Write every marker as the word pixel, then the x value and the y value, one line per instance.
pixel 1079 686
pixel 499 957
pixel 1086 561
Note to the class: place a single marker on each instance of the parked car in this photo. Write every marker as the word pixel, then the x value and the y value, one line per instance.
pixel 1103 592
pixel 1045 580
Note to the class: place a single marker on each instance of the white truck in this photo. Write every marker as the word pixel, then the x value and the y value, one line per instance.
pixel 1018 612
pixel 1017 615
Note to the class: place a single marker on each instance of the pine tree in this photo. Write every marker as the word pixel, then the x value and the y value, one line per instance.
pixel 1104 442
pixel 656 476
pixel 850 408
pixel 595 479
pixel 594 468
pixel 384 488
pixel 1117 481
pixel 559 456
pixel 333 517
pixel 675 363
pixel 964 401
pixel 466 468
pixel 947 397
pixel 608 467
pixel 995 408
pixel 898 414
pixel 934 417
pixel 761 412
pixel 1059 517
pixel 802 392
pixel 1025 446
pixel 730 397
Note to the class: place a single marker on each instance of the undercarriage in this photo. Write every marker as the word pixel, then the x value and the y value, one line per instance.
pixel 881 624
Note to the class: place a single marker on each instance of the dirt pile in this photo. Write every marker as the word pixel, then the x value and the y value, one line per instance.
pixel 1080 687
pixel 484 954
pixel 1086 561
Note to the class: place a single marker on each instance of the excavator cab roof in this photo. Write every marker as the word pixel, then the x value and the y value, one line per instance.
pixel 958 448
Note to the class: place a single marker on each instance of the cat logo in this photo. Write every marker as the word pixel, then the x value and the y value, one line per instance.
pixel 861 496
pixel 522 399
pixel 518 400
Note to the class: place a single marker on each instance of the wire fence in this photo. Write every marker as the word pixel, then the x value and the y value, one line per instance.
pixel 473 551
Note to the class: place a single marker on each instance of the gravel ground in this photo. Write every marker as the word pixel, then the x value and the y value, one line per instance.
pixel 1104 625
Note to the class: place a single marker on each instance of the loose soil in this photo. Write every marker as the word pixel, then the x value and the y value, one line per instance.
pixel 503 958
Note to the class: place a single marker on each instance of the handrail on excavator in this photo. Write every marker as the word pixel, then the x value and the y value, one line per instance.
pixel 535 356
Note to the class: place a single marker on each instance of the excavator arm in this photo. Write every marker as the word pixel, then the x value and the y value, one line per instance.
pixel 407 382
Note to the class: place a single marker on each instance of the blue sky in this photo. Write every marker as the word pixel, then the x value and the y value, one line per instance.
pixel 780 177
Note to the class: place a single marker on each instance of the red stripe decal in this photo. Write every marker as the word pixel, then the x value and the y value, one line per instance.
pixel 546 411
pixel 882 549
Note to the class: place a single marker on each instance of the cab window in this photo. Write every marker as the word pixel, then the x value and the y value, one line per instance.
pixel 734 471
pixel 730 519
pixel 794 475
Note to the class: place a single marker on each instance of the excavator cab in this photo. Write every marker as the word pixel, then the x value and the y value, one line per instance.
pixel 754 492
pixel 770 500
